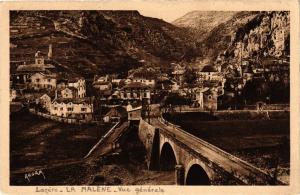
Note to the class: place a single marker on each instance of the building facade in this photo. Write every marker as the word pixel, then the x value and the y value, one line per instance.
pixel 135 91
pixel 79 84
pixel 42 81
pixel 72 108
pixel 207 99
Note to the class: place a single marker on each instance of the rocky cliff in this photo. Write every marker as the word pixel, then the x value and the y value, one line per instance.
pixel 251 34
pixel 265 35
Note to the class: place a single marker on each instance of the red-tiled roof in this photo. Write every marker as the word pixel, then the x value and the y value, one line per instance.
pixel 136 85
pixel 47 75
pixel 101 83
pixel 30 68
pixel 74 80
pixel 74 100
pixel 71 88
pixel 144 75
pixel 209 68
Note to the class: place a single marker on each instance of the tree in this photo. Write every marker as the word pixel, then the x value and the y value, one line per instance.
pixel 190 76
pixel 175 99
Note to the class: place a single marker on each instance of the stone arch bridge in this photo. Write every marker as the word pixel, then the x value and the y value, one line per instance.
pixel 195 161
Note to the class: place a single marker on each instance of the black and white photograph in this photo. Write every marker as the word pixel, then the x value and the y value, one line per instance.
pixel 137 98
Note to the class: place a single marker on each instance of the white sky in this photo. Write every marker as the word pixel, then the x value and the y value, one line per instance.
pixel 168 10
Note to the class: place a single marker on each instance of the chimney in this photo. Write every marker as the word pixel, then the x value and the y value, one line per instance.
pixel 50 51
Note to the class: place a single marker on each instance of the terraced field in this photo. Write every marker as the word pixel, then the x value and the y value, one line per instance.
pixel 37 143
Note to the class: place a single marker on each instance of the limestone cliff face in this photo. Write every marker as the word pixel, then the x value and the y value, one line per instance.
pixel 251 34
pixel 266 35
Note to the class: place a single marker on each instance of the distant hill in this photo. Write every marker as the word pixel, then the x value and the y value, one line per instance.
pixel 90 42
pixel 202 22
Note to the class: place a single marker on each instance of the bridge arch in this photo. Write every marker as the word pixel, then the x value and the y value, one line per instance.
pixel 154 160
pixel 196 175
pixel 167 160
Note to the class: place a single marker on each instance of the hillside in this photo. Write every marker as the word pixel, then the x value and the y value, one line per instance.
pixel 92 42
pixel 202 22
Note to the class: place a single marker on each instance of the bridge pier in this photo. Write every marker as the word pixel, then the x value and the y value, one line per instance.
pixel 179 174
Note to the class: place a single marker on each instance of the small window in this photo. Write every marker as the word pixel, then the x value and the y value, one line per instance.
pixel 83 109
pixel 55 108
pixel 49 80
pixel 61 108
pixel 209 97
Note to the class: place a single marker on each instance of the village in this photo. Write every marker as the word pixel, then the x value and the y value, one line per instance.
pixel 220 86
pixel 108 98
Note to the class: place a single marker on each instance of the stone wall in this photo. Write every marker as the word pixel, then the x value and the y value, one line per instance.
pixel 146 134
pixel 59 119
pixel 251 114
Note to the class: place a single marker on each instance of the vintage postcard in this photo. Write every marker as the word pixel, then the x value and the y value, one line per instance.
pixel 150 97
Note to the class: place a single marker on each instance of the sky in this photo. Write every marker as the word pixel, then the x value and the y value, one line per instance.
pixel 168 13
pixel 168 10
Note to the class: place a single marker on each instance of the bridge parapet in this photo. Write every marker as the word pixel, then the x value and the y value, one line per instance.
pixel 240 169
pixel 219 166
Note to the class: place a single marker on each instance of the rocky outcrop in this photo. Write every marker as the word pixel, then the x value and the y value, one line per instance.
pixel 251 34
pixel 267 35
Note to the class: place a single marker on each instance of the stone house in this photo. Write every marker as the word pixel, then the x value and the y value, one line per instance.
pixel 101 78
pixel 103 87
pixel 144 76
pixel 78 108
pixel 24 71
pixel 207 99
pixel 79 84
pixel 210 73
pixel 76 87
pixel 135 91
pixel 115 114
pixel 69 92
pixel 45 102
pixel 134 113
pixel 42 81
